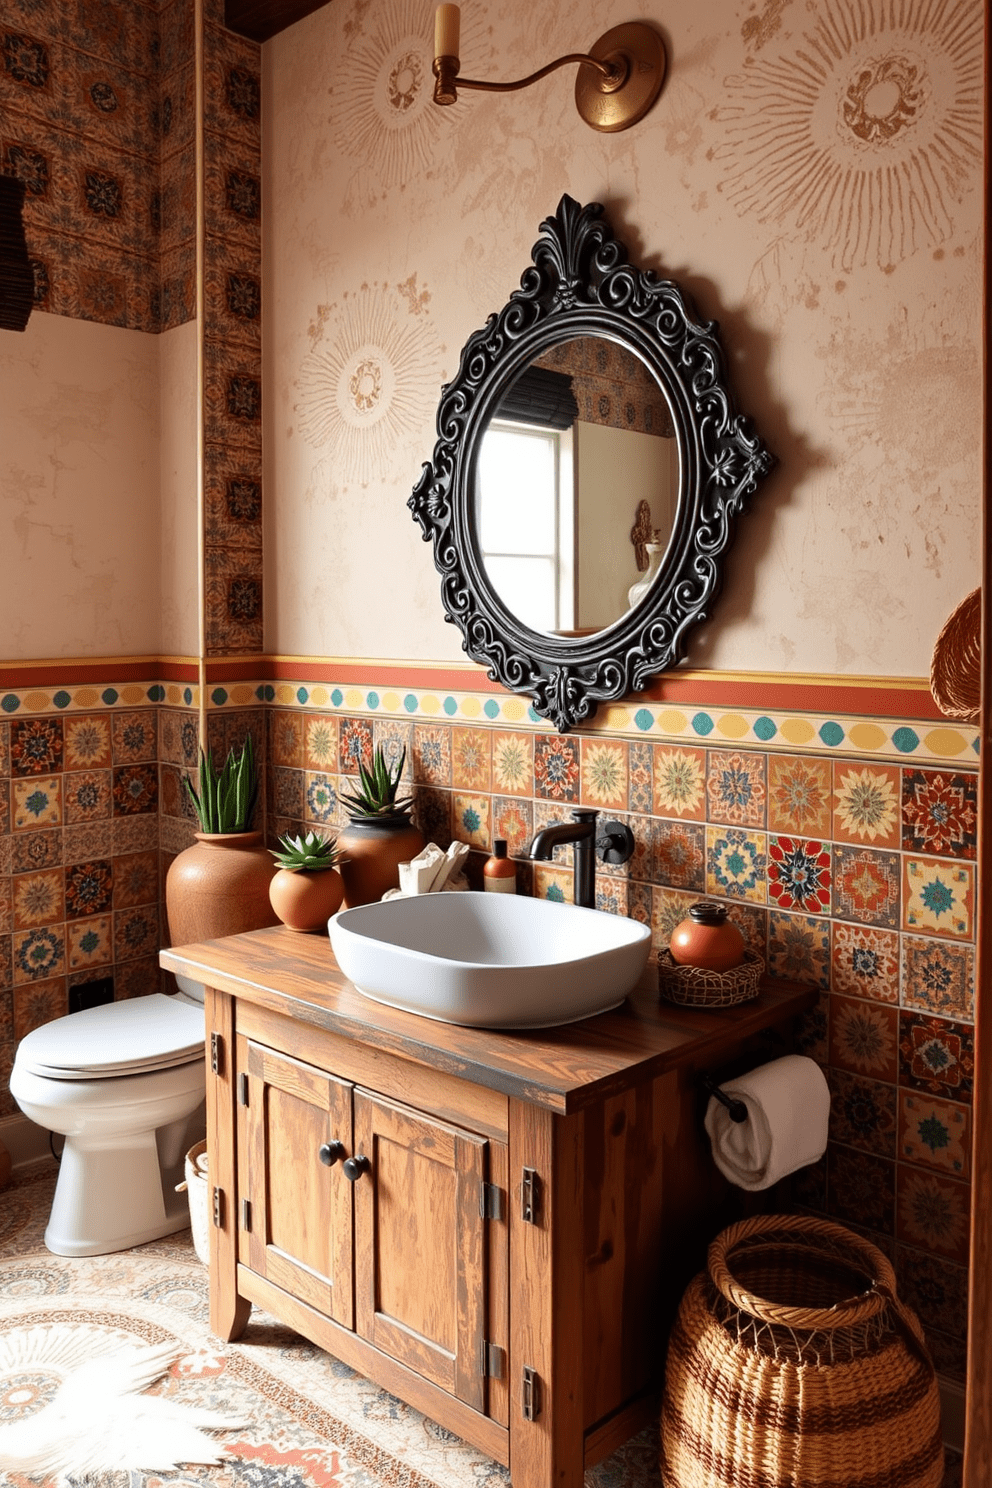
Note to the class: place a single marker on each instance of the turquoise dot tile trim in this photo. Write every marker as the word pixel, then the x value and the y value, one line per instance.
pixel 765 729
pixel 643 719
pixel 491 709
pixel 372 700
pixel 832 734
pixel 10 702
pixel 905 740
pixel 302 695
pixel 337 697
pixel 411 702
pixel 702 724
pixel 218 697
pixel 62 699
pixel 450 706
pixel 110 696
pixel 187 695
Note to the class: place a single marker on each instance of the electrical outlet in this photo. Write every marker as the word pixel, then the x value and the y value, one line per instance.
pixel 91 994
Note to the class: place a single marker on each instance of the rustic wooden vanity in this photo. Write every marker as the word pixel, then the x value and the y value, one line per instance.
pixel 495 1227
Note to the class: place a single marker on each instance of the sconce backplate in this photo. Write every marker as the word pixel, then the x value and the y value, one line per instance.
pixel 640 49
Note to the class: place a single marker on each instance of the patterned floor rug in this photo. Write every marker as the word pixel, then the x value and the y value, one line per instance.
pixel 310 1421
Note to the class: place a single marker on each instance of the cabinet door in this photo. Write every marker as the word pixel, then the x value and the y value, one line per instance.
pixel 300 1223
pixel 419 1256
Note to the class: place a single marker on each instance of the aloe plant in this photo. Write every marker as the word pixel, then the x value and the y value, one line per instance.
pixel 376 796
pixel 226 801
pixel 309 854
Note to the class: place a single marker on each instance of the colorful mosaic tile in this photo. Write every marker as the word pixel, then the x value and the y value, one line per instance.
pixel 471 759
pixel 799 948
pixel 36 746
pixel 799 795
pixel 91 840
pixel 513 820
pixel 395 741
pixel 513 763
pixel 37 802
pixel 90 942
pixel 38 954
pixel 285 735
pixel 604 774
pixel 553 883
pixel 432 813
pixel 736 863
pixel 938 977
pixel 936 1290
pixel 87 795
pixel 321 798
pixel 640 776
pixel 470 819
pixel 34 850
pixel 669 908
pixel 127 833
pixel 355 746
pixel 812 1030
pixel 287 793
pixel 735 788
pixel 136 932
pixel 89 888
pixel 866 886
pixel 134 737
pixel 864 1038
pixel 432 756
pixel 799 875
pixel 320 750
pixel 863 1113
pixel 933 1212
pixel 135 879
pixel 36 1003
pixel 135 789
pixel 865 962
pixel 939 813
pixel 612 896
pixel 935 1133
pixel 87 743
pixel 866 804
pixel 938 897
pixel 641 863
pixel 556 768
pixel 680 855
pixel 38 899
pixel 861 1189
pixel 936 1056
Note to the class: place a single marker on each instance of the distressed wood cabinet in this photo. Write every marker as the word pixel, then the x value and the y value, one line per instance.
pixel 495 1227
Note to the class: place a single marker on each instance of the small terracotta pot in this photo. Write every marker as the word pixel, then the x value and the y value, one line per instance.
pixel 707 939
pixel 306 900
pixel 219 886
pixel 373 852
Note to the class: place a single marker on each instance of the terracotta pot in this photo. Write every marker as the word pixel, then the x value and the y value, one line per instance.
pixel 373 852
pixel 707 939
pixel 219 886
pixel 306 901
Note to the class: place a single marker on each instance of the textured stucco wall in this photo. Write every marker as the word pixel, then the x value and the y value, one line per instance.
pixel 812 177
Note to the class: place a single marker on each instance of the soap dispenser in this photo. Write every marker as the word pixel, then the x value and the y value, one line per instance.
pixel 499 873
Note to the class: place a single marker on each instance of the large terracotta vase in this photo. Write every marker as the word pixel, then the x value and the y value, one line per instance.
pixel 306 900
pixel 219 886
pixel 372 851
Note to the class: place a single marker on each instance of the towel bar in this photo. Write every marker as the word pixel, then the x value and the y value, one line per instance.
pixel 737 1109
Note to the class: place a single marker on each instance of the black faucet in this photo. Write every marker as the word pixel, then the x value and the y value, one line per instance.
pixel 616 844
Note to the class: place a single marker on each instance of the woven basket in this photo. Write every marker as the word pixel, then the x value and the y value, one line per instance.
pixel 792 1364
pixel 955 670
pixel 693 986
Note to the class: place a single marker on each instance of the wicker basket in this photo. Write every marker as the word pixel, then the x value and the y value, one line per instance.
pixel 793 1365
pixel 955 671
pixel 692 986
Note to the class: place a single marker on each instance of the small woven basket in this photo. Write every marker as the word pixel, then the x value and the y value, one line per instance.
pixel 692 986
pixel 955 670
pixel 792 1364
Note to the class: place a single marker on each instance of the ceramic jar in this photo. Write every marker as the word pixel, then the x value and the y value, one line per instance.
pixel 219 886
pixel 372 851
pixel 306 900
pixel 706 938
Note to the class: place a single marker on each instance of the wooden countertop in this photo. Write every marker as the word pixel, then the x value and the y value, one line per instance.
pixel 562 1069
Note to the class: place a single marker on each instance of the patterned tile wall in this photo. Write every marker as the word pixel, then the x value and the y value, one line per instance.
pixel 855 876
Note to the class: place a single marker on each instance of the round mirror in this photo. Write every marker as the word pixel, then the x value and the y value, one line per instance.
pixel 576 487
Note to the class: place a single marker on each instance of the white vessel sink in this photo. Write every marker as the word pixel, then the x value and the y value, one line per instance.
pixel 490 960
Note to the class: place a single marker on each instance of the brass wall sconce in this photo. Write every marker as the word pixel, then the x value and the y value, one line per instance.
pixel 617 82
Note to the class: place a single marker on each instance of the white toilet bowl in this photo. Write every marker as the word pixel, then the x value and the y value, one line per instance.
pixel 124 1084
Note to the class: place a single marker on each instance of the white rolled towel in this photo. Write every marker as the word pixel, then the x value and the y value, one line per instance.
pixel 788 1112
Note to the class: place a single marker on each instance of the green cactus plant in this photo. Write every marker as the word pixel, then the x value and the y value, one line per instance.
pixel 309 854
pixel 226 800
pixel 376 799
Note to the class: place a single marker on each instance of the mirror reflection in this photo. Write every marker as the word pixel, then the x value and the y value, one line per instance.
pixel 577 487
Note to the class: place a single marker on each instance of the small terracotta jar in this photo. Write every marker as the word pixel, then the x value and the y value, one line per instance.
pixel 373 849
pixel 306 900
pixel 707 939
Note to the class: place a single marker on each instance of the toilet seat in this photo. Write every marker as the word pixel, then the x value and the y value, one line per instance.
pixel 138 1036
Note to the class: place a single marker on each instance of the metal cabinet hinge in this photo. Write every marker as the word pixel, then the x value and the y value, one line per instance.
pixel 246 1214
pixel 243 1088
pixel 530 1399
pixel 218 1207
pixel 490 1201
pixel 491 1360
pixel 530 1195
pixel 217 1053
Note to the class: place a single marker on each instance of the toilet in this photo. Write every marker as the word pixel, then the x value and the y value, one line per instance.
pixel 124 1083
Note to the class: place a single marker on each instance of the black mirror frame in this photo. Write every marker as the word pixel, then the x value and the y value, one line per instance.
pixel 580 284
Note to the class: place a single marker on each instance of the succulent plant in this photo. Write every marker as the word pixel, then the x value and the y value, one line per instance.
pixel 309 854
pixel 226 801
pixel 376 797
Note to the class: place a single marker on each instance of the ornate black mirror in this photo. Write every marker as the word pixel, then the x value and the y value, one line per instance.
pixel 588 467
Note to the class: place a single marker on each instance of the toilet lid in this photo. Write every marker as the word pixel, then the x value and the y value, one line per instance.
pixel 116 1038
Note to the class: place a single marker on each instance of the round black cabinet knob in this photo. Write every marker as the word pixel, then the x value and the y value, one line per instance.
pixel 330 1152
pixel 355 1167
